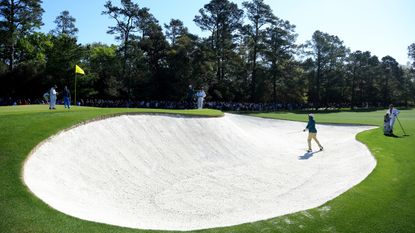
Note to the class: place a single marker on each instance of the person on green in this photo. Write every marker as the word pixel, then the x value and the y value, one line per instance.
pixel 312 132
pixel 67 98
pixel 190 97
pixel 52 96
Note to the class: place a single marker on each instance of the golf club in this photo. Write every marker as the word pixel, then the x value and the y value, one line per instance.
pixel 404 133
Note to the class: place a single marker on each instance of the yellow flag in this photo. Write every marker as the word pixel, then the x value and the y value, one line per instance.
pixel 78 70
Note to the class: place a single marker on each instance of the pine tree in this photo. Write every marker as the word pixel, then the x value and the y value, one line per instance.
pixel 65 24
pixel 17 19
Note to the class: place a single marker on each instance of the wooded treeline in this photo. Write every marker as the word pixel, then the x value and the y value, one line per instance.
pixel 250 55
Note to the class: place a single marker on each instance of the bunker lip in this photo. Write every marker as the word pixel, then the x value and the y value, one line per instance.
pixel 107 116
pixel 174 172
pixel 100 118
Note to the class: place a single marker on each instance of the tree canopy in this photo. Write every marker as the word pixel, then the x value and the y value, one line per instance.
pixel 65 24
pixel 249 55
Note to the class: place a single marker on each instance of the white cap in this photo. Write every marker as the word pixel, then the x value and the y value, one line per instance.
pixel 311 114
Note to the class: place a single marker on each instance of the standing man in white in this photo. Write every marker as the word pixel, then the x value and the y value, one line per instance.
pixel 200 98
pixel 393 114
pixel 52 96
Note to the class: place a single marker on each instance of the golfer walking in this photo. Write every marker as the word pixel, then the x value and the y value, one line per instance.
pixel 312 132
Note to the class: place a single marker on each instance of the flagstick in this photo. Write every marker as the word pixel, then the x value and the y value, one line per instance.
pixel 75 90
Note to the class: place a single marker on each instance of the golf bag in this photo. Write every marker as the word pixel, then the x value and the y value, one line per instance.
pixel 387 130
pixel 46 97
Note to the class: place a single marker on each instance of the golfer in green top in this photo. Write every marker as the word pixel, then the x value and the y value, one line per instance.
pixel 312 132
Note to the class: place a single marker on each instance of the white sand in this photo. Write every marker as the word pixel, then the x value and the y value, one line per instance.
pixel 179 173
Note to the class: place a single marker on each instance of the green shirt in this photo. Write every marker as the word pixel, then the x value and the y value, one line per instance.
pixel 311 126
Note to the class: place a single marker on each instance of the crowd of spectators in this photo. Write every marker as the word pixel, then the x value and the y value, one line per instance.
pixel 224 106
pixel 12 102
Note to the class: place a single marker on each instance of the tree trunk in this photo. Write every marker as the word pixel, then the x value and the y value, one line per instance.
pixel 124 65
pixel 254 55
pixel 352 100
pixel 318 81
pixel 386 91
pixel 11 33
pixel 218 54
pixel 274 85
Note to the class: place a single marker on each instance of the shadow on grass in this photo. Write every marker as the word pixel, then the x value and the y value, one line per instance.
pixel 396 136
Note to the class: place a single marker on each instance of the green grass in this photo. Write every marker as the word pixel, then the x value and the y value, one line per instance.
pixel 384 202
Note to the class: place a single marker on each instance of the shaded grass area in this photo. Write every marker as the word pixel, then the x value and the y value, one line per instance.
pixel 384 202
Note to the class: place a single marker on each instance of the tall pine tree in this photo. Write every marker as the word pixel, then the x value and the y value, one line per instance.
pixel 17 19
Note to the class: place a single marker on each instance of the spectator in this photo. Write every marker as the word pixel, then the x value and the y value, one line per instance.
pixel 52 96
pixel 66 98
pixel 200 98
pixel 190 97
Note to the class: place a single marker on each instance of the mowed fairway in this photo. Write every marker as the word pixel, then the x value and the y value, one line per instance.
pixel 384 202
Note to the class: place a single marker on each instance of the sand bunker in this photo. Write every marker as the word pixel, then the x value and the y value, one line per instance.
pixel 181 173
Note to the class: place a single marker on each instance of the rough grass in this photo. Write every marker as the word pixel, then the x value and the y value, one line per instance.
pixel 384 202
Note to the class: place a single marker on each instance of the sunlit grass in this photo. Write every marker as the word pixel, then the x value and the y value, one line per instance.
pixel 384 202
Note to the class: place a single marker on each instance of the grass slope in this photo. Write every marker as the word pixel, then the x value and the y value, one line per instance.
pixel 384 202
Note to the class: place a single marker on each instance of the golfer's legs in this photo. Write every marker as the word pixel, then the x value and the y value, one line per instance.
pixel 318 143
pixel 312 136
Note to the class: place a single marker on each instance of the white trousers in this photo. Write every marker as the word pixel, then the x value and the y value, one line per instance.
pixel 200 102
pixel 52 101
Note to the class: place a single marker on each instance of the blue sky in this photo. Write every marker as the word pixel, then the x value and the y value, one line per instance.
pixel 383 27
